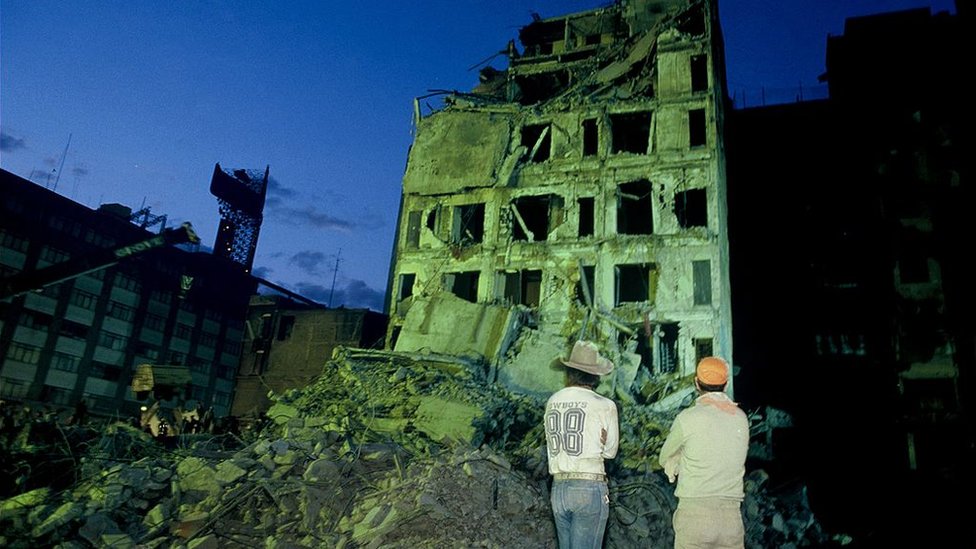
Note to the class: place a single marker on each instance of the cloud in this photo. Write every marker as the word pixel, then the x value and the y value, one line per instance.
pixel 310 216
pixel 9 143
pixel 308 261
pixel 262 272
pixel 278 193
pixel 355 295
pixel 79 171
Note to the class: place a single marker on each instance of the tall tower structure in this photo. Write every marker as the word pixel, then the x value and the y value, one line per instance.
pixel 584 187
pixel 241 194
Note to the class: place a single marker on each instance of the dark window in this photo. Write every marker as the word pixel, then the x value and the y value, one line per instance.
pixel 105 371
pixel 630 132
pixel 536 138
pixel 590 137
pixel 110 340
pixel 634 213
pixel 65 362
pixel 535 216
pixel 703 348
pixel 691 208
pixel 668 347
pixel 463 285
pixel 468 224
pixel 692 21
pixel 154 322
pixel 285 326
pixel 696 128
pixel 699 73
pixel 406 285
pixel 523 287
pixel 21 352
pixel 585 216
pixel 635 283
pixel 73 329
pixel 702 271
pixel 120 311
pixel 413 229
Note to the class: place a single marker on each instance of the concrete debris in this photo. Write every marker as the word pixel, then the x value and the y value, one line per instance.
pixel 385 449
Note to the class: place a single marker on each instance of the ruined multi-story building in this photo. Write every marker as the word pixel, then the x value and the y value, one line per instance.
pixel 581 193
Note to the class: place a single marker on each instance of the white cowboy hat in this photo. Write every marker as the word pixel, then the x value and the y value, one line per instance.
pixel 586 357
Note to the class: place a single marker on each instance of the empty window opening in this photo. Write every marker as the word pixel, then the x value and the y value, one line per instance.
pixel 691 208
pixel 407 281
pixel 692 21
pixel 286 325
pixel 643 348
pixel 584 288
pixel 696 128
pixel 434 221
pixel 531 89
pixel 538 36
pixel 634 208
pixel 592 40
pixel 522 287
pixel 468 225
pixel 535 216
pixel 703 348
pixel 537 139
pixel 590 137
pixel 702 272
pixel 667 347
pixel 630 132
pixel 635 283
pixel 413 229
pixel 699 73
pixel 463 285
pixel 585 216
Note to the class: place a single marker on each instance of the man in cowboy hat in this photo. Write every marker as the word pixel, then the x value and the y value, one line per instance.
pixel 581 431
pixel 706 451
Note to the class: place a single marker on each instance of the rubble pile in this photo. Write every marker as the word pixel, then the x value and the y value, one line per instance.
pixel 383 450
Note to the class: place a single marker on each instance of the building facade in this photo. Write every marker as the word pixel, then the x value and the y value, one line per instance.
pixel 288 342
pixel 84 338
pixel 584 185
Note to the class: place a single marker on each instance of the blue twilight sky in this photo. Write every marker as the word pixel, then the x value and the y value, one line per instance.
pixel 146 96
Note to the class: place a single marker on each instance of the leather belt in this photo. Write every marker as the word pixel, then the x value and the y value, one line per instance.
pixel 580 476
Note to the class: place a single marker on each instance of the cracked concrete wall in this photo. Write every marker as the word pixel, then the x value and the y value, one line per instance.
pixel 511 155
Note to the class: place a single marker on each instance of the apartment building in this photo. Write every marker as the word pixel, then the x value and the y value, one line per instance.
pixel 83 334
pixel 581 192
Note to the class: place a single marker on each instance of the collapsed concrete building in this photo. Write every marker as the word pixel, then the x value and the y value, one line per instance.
pixel 578 193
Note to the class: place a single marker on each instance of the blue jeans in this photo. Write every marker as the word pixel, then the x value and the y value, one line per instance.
pixel 580 509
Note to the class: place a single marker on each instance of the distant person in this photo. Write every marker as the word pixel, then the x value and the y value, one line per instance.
pixel 706 451
pixel 581 432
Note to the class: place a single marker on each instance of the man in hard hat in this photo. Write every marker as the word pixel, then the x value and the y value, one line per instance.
pixel 706 451
pixel 581 431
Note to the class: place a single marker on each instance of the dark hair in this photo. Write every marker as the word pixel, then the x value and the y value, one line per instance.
pixel 706 388
pixel 579 377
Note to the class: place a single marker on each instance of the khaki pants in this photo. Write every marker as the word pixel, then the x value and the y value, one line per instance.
pixel 711 523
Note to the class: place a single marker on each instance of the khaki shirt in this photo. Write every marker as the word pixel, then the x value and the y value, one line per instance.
pixel 706 449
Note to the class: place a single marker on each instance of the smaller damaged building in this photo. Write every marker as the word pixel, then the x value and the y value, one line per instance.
pixel 580 192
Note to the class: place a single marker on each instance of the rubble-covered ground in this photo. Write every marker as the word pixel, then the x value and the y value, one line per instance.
pixel 383 450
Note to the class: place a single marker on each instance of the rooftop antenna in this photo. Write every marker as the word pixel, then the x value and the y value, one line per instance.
pixel 334 273
pixel 63 156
